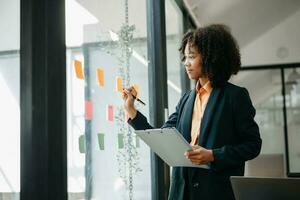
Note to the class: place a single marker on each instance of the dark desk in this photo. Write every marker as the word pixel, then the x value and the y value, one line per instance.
pixel 259 188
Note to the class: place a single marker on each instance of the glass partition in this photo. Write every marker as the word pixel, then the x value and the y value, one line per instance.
pixel 292 98
pixel 265 89
pixel 10 99
pixel 107 50
pixel 173 34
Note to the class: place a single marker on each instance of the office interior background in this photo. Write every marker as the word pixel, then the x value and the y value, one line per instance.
pixel 63 129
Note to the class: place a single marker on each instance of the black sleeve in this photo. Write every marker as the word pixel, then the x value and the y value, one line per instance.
pixel 173 119
pixel 140 121
pixel 247 132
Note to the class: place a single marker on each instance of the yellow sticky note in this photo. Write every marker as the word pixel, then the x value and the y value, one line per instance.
pixel 119 84
pixel 100 75
pixel 137 89
pixel 78 69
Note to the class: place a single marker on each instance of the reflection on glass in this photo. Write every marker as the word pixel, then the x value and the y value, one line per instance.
pixel 174 35
pixel 292 90
pixel 105 159
pixel 264 87
pixel 10 125
pixel 10 100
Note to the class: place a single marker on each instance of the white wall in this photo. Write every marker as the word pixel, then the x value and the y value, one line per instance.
pixel 280 44
pixel 9 25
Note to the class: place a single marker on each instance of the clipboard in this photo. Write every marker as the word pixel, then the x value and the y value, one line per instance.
pixel 169 145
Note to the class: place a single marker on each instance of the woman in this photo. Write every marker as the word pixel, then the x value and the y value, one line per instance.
pixel 216 117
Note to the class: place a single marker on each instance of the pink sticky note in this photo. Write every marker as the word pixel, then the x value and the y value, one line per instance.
pixel 88 110
pixel 110 113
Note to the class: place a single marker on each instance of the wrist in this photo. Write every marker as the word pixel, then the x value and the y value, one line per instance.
pixel 211 155
pixel 132 113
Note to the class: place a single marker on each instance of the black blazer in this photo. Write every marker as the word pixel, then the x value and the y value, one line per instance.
pixel 227 127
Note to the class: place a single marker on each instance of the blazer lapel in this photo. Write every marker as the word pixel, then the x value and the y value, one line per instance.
pixel 207 116
pixel 206 120
pixel 187 116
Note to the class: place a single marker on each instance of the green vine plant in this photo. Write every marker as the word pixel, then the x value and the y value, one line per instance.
pixel 127 157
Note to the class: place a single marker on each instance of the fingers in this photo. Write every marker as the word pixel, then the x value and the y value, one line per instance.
pixel 194 156
pixel 198 162
pixel 197 159
pixel 196 151
pixel 196 147
pixel 126 93
pixel 197 155
pixel 131 90
pixel 124 96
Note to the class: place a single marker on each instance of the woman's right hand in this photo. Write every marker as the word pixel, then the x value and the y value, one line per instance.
pixel 129 101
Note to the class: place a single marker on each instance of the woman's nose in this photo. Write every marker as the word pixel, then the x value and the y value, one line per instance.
pixel 186 63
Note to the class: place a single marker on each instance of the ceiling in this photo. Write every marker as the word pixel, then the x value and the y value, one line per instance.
pixel 255 23
pixel 247 19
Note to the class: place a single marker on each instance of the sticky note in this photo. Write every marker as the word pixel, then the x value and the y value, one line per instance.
pixel 137 89
pixel 100 76
pixel 120 141
pixel 137 142
pixel 110 113
pixel 119 84
pixel 88 110
pixel 78 69
pixel 101 141
pixel 81 142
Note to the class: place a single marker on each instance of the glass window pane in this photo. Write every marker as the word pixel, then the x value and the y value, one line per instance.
pixel 292 90
pixel 10 99
pixel 264 87
pixel 276 42
pixel 105 159
pixel 174 35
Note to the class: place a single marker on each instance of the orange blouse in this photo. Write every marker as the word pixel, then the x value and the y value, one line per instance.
pixel 201 100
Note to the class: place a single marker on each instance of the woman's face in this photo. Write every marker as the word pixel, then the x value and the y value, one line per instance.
pixel 193 62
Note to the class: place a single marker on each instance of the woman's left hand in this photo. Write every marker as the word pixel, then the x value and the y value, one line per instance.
pixel 199 155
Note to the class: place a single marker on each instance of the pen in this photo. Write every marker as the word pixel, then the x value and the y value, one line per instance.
pixel 137 99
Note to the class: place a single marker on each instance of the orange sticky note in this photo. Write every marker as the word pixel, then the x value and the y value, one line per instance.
pixel 119 84
pixel 88 110
pixel 100 75
pixel 137 89
pixel 110 113
pixel 78 69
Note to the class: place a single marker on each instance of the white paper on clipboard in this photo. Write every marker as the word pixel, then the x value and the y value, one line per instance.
pixel 169 145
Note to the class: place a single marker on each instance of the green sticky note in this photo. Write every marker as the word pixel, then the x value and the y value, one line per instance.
pixel 101 141
pixel 120 141
pixel 82 144
pixel 137 142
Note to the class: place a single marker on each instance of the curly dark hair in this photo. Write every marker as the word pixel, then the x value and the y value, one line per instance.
pixel 219 50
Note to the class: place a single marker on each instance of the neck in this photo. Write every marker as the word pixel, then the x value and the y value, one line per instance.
pixel 203 80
